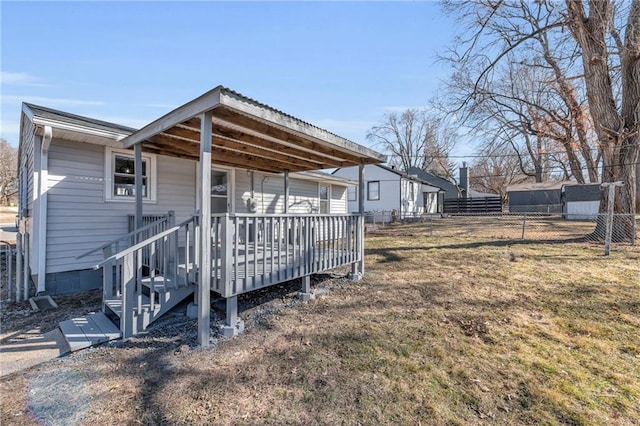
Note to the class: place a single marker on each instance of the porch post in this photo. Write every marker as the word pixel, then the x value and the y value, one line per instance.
pixel 286 192
pixel 137 150
pixel 204 278
pixel 357 268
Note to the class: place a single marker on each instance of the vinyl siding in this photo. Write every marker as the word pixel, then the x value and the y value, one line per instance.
pixel 338 199
pixel 79 217
pixel 389 188
pixel 269 193
pixel 27 163
pixel 303 197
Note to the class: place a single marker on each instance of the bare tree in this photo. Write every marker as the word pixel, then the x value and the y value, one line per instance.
pixel 495 170
pixel 415 139
pixel 617 122
pixel 8 165
pixel 593 59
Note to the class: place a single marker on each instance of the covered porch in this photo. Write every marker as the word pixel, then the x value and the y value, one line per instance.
pixel 244 251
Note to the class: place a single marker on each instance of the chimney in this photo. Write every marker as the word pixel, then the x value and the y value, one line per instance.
pixel 464 179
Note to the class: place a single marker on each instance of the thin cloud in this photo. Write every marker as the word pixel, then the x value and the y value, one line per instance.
pixel 20 79
pixel 49 101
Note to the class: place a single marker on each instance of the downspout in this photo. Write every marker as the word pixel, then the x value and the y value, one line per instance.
pixel 43 192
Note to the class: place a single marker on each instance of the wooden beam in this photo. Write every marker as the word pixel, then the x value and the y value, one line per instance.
pixel 220 141
pixel 275 132
pixel 231 157
pixel 286 192
pixel 204 278
pixel 203 103
pixel 227 130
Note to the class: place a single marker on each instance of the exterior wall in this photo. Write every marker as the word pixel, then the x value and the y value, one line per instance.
pixel 79 217
pixel 389 188
pixel 268 192
pixel 27 174
pixel 580 210
pixel 410 206
pixel 338 204
pixel 73 281
pixel 540 201
pixel 450 188
pixel 430 200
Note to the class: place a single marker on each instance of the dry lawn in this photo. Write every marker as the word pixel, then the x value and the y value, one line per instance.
pixel 441 331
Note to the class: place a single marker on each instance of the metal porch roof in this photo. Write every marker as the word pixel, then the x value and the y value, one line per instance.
pixel 251 135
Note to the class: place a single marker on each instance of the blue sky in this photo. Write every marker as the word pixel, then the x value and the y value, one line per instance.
pixel 340 66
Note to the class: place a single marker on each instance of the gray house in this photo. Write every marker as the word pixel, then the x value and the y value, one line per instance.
pixel 388 189
pixel 573 200
pixel 222 195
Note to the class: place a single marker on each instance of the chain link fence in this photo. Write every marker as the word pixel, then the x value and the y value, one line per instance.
pixel 517 226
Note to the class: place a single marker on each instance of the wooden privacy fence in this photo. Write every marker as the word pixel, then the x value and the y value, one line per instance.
pixel 473 205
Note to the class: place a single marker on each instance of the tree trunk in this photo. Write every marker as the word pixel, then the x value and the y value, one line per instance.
pixel 617 133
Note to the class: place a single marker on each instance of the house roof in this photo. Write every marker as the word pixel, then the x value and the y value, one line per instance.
pixel 69 125
pixel 247 133
pixel 539 186
pixel 404 175
pixel 320 176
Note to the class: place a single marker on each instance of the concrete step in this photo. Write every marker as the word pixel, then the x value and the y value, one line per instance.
pixel 89 330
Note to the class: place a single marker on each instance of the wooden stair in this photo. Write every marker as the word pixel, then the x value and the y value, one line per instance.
pixel 96 328
pixel 89 330
pixel 167 292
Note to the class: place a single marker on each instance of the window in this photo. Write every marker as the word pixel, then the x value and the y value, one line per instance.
pixel 412 194
pixel 373 190
pixel 121 176
pixel 352 193
pixel 323 194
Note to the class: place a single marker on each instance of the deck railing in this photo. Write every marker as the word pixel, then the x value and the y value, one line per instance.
pixel 135 276
pixel 254 251
pixel 248 252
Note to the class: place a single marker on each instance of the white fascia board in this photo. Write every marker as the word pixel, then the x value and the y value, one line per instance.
pixel 41 123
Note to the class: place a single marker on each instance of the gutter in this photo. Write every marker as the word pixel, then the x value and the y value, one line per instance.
pixel 47 136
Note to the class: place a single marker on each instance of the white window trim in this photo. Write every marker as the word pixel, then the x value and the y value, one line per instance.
pixel 152 178
pixel 369 193
pixel 328 200
pixel 355 193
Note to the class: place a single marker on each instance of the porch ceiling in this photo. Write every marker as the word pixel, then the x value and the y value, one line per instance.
pixel 251 135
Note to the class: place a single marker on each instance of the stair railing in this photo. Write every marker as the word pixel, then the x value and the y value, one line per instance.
pixel 155 257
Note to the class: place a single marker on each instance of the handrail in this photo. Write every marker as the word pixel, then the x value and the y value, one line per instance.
pixel 286 215
pixel 122 237
pixel 141 244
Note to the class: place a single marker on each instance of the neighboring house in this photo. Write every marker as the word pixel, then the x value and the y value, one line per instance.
pixel 575 201
pixel 581 202
pixel 388 189
pixel 460 198
pixel 450 190
pixel 222 168
pixel 542 197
